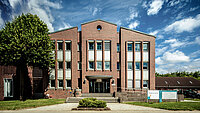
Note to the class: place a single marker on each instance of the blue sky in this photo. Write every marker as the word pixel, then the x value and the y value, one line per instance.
pixel 175 23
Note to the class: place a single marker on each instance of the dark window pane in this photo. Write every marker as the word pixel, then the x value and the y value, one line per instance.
pixel 107 46
pixel 60 83
pixel 60 64
pixel 130 65
pixel 68 83
pixel 145 65
pixel 68 46
pixel 137 47
pixel 145 47
pixel 60 46
pixel 52 83
pixel 91 45
pixel 118 47
pixel 99 46
pixel 91 65
pixel 118 66
pixel 68 65
pixel 130 47
pixel 137 65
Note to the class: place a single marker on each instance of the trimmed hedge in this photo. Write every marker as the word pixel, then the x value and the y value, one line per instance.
pixel 92 102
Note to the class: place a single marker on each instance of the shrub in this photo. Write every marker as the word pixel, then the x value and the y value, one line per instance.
pixel 92 102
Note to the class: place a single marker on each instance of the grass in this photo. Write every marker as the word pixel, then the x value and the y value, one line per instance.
pixel 192 99
pixel 170 105
pixel 16 104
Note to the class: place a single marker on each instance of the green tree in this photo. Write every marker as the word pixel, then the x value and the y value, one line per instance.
pixel 25 42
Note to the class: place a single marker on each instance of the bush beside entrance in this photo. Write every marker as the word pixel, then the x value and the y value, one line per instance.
pixel 92 102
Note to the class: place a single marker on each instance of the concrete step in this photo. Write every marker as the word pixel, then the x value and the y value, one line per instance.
pixel 96 95
pixel 77 99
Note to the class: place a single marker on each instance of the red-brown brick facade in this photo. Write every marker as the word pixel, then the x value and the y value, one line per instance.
pixel 97 59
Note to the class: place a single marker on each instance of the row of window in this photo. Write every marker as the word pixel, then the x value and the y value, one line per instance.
pixel 106 65
pixel 67 46
pixel 137 65
pixel 99 65
pixel 60 83
pixel 107 46
pixel 137 46
pixel 99 46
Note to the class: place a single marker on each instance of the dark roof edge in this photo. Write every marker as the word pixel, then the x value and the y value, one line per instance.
pixel 62 30
pixel 98 20
pixel 138 31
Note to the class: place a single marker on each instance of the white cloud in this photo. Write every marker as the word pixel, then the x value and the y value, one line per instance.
pixel 195 54
pixel 154 32
pixel 173 3
pixel 160 51
pixel 133 14
pixel 174 43
pixel 133 24
pixel 187 24
pixel 95 11
pixel 197 40
pixel 155 6
pixel 175 57
pixel 14 2
pixel 194 8
pixel 119 23
pixel 66 25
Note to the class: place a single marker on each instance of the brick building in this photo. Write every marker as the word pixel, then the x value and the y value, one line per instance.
pixel 97 59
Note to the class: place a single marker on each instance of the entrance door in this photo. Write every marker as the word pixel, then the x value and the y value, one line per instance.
pixel 99 87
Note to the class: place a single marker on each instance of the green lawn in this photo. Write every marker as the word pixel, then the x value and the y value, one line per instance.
pixel 170 105
pixel 16 104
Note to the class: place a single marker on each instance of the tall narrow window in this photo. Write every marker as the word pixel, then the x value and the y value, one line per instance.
pixel 137 65
pixel 69 83
pixel 137 47
pixel 145 47
pixel 130 47
pixel 60 45
pixel 107 65
pixel 99 46
pixel 91 45
pixel 60 65
pixel 52 83
pixel 68 46
pixel 79 66
pixel 107 46
pixel 118 66
pixel 99 65
pixel 118 47
pixel 130 66
pixel 60 83
pixel 79 46
pixel 145 65
pixel 91 65
pixel 68 65
pixel 145 84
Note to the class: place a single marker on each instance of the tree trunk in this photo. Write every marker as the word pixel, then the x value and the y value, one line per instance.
pixel 22 73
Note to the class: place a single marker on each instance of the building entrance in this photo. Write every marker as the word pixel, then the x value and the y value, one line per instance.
pixel 99 86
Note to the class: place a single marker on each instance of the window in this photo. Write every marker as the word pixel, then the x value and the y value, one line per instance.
pixel 145 47
pixel 118 47
pixel 60 83
pixel 145 84
pixel 68 65
pixel 8 87
pixel 137 65
pixel 60 46
pixel 145 65
pixel 99 27
pixel 91 45
pixel 99 65
pixel 91 65
pixel 107 65
pixel 52 83
pixel 60 65
pixel 79 66
pixel 107 46
pixel 68 83
pixel 99 46
pixel 137 47
pixel 118 66
pixel 130 47
pixel 79 46
pixel 130 66
pixel 68 46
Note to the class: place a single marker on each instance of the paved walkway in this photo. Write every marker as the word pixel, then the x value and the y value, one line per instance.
pixel 115 108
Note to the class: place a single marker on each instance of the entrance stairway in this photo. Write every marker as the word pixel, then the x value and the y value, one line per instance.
pixel 108 97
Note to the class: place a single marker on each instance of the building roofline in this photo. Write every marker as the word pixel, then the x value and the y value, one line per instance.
pixel 137 31
pixel 62 30
pixel 98 20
